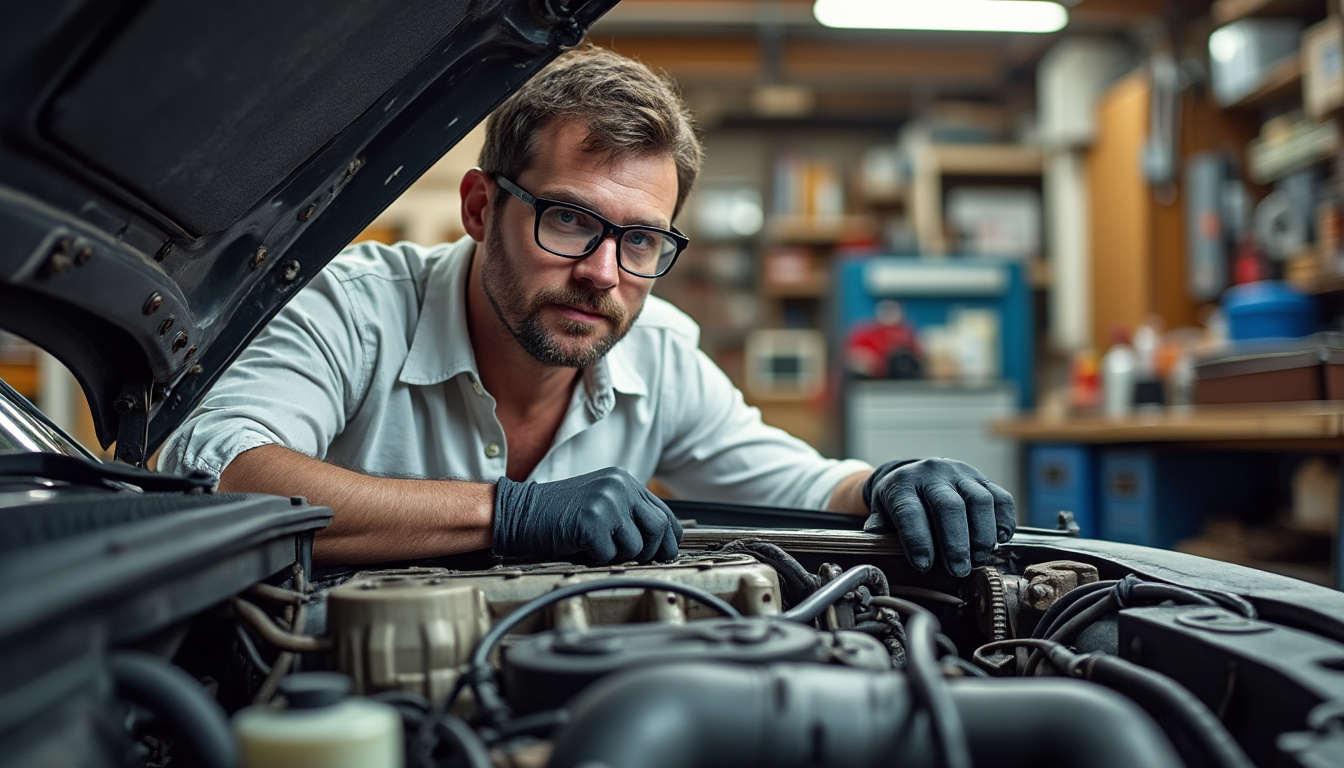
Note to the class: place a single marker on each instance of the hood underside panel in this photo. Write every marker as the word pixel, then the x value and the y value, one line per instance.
pixel 171 173
pixel 203 109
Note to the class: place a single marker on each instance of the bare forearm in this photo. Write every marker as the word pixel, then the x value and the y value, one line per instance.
pixel 848 495
pixel 376 519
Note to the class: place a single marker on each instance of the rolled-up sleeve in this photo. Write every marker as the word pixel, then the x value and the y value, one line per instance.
pixel 719 448
pixel 295 384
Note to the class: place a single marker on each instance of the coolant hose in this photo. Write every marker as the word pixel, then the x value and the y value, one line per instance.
pixel 696 715
pixel 1196 731
pixel 199 727
pixel 819 601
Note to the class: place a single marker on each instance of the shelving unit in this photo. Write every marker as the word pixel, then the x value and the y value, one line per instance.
pixel 821 230
pixel 1311 427
pixel 939 161
pixel 1228 11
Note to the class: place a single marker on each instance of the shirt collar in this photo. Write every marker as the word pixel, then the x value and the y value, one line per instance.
pixel 441 348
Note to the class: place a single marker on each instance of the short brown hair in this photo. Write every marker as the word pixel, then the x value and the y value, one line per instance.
pixel 628 109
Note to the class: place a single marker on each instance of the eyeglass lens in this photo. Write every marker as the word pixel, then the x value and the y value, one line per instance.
pixel 571 232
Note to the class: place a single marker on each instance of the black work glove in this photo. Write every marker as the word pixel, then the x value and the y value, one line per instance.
pixel 605 515
pixel 940 504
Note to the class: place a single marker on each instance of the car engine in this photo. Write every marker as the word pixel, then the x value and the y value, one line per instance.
pixel 780 647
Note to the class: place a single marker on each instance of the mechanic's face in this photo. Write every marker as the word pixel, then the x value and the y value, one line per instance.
pixel 570 312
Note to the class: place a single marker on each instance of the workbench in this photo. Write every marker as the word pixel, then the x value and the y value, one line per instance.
pixel 1315 427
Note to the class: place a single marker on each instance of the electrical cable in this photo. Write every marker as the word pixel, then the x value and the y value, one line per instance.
pixel 1074 625
pixel 1079 605
pixel 1093 606
pixel 250 650
pixel 899 605
pixel 1159 592
pixel 979 658
pixel 833 590
pixel 1066 600
pixel 920 593
pixel 1235 603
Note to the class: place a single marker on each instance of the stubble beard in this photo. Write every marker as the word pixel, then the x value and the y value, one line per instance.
pixel 501 283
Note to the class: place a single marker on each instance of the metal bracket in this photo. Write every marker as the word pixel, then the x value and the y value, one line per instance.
pixel 133 429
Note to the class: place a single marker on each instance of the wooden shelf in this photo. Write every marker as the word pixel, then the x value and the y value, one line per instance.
pixel 1304 423
pixel 1283 82
pixel 1310 277
pixel 985 159
pixel 817 230
pixel 1228 11
pixel 810 287
pixel 941 160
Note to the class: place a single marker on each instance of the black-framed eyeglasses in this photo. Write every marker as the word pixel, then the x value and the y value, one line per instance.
pixel 572 231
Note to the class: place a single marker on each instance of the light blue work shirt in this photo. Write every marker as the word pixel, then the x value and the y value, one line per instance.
pixel 370 367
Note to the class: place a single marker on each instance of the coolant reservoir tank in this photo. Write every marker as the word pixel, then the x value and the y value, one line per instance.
pixel 320 726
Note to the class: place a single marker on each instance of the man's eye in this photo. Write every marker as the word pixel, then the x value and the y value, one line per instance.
pixel 639 239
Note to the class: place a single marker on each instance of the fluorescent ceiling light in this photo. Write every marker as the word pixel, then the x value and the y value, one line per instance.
pixel 948 15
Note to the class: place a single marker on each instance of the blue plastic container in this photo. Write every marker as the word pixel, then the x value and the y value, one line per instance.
pixel 1268 310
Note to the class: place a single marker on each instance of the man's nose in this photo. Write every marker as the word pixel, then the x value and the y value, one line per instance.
pixel 600 268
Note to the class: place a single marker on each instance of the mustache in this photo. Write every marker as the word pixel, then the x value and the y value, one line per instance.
pixel 588 301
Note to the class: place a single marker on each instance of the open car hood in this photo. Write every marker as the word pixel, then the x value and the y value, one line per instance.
pixel 172 172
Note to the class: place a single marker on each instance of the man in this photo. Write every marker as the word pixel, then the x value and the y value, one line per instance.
pixel 528 366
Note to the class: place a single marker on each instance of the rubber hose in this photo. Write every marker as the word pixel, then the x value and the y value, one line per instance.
pixel 696 715
pixel 197 722
pixel 1194 730
pixel 930 690
pixel 1156 593
pixel 819 601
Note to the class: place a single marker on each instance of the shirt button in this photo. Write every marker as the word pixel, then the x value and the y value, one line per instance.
pixel 476 385
pixel 491 450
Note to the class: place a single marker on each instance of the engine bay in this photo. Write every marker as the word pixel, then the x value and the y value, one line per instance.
pixel 761 647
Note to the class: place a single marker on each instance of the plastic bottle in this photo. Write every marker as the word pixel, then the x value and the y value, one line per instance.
pixel 1117 377
pixel 319 726
pixel 1148 385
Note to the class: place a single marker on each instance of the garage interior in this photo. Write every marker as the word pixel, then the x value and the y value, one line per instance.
pixel 1104 263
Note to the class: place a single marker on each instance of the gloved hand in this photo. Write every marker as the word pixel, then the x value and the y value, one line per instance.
pixel 605 515
pixel 940 504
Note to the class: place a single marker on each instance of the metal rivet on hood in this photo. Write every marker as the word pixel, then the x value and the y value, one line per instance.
pixel 258 257
pixel 180 341
pixel 153 303
pixel 289 272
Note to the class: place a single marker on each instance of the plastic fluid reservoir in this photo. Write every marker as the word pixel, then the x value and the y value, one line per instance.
pixel 320 726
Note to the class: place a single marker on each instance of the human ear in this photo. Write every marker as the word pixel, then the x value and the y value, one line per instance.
pixel 477 192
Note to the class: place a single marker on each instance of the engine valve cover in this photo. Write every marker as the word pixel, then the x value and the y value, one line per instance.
pixel 410 629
